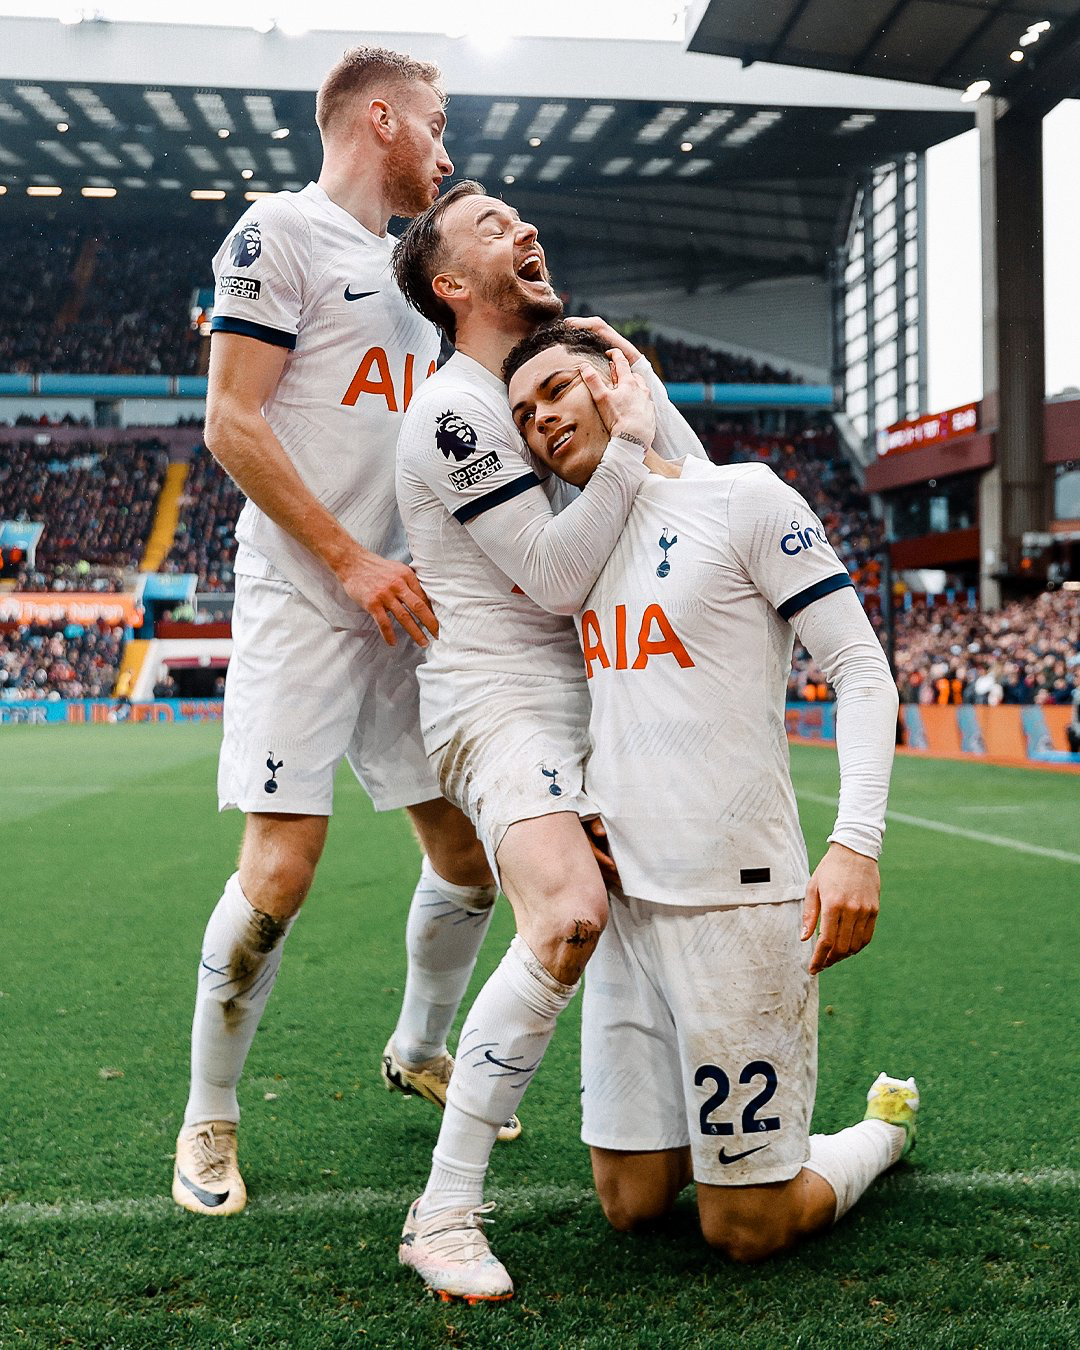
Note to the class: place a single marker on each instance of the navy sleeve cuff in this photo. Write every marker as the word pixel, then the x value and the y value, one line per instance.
pixel 225 323
pixel 812 593
pixel 496 497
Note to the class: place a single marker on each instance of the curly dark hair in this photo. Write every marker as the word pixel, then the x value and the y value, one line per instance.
pixel 559 333
pixel 418 256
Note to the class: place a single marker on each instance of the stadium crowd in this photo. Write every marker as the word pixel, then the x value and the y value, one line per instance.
pixel 75 302
pixel 683 362
pixel 46 662
pixel 1025 652
pixel 97 507
pixel 204 541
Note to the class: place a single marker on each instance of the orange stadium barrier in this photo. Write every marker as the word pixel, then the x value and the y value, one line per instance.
pixel 1028 735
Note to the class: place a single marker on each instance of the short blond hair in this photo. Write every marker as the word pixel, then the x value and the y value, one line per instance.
pixel 362 70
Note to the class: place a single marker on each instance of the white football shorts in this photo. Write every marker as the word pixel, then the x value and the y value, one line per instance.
pixel 517 752
pixel 699 1028
pixel 301 695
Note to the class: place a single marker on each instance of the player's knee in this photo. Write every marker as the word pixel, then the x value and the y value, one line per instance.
pixel 627 1210
pixel 278 880
pixel 574 933
pixel 461 861
pixel 744 1240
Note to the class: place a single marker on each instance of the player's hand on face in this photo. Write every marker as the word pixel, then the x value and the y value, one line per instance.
pixel 607 335
pixel 625 406
pixel 601 851
pixel 845 893
pixel 391 593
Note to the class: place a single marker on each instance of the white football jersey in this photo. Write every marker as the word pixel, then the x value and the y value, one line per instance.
pixel 301 273
pixel 687 649
pixel 460 456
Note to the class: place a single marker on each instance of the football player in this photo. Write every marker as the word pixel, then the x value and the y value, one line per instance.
pixel 314 357
pixel 699 1031
pixel 503 695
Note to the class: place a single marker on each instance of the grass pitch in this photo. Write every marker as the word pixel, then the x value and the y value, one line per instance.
pixel 112 859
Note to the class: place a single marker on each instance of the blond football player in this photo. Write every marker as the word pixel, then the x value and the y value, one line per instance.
pixel 315 357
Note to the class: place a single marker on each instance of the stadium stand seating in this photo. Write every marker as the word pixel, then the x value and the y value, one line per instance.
pixel 115 304
pixel 204 541
pixel 1026 652
pixel 48 662
pixel 97 506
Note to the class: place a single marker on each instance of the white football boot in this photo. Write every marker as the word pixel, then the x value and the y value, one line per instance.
pixel 451 1255
pixel 430 1081
pixel 206 1178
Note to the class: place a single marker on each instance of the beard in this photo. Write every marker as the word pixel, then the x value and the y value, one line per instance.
pixel 408 176
pixel 507 296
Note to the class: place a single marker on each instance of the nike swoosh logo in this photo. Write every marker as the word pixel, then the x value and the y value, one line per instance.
pixel 209 1198
pixel 726 1158
pixel 357 295
pixel 520 1068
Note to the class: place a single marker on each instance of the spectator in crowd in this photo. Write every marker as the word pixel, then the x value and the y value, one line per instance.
pixel 40 662
pixel 1026 652
pixel 165 686
pixel 205 542
pixel 96 503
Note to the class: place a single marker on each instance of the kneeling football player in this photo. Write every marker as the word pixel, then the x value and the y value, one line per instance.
pixel 699 1033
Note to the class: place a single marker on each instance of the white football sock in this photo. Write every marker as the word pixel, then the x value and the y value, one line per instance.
pixel 850 1161
pixel 501 1046
pixel 447 925
pixel 241 954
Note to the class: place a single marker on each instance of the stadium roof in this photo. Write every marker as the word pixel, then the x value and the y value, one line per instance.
pixel 758 192
pixel 698 192
pixel 1019 47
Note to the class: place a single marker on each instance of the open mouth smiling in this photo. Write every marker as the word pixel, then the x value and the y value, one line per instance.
pixel 531 268
pixel 560 442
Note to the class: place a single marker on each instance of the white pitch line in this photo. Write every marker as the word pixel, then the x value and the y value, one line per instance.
pixel 939 827
pixel 155 1208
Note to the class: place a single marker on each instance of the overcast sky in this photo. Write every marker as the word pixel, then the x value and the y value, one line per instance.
pixel 954 300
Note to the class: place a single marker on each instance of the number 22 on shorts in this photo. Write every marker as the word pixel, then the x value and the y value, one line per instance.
pixel 751 1122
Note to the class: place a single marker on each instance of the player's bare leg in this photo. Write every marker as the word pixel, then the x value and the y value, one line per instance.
pixel 449 841
pixel 448 919
pixel 560 905
pixel 241 955
pixel 555 889
pixel 636 1189
pixel 751 1223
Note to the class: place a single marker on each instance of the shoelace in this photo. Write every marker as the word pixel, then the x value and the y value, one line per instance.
pixel 472 1221
pixel 211 1159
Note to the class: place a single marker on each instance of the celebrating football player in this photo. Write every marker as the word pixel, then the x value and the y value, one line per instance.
pixel 699 1032
pixel 503 695
pixel 314 357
